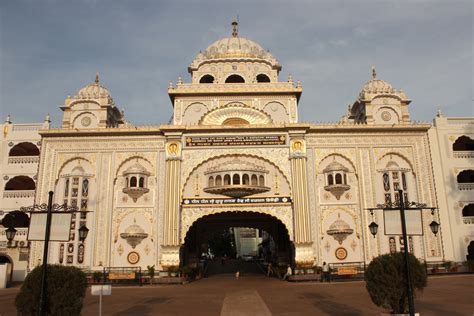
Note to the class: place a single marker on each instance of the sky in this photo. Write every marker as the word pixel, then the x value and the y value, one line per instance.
pixel 50 49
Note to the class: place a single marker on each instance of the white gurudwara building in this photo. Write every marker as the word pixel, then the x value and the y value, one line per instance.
pixel 236 155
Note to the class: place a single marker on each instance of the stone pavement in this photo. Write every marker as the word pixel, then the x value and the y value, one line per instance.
pixel 258 295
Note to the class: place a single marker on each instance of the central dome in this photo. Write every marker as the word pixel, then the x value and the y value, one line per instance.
pixel 232 48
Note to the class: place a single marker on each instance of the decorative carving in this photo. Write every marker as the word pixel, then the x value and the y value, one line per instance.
pixel 134 235
pixel 133 257
pixel 339 230
pixel 341 253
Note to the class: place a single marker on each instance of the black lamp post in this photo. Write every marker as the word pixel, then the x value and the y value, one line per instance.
pixel 402 205
pixel 49 209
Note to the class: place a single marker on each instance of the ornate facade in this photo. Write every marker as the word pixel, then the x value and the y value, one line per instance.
pixel 236 153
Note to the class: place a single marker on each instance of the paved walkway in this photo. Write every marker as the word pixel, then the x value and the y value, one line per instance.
pixel 258 295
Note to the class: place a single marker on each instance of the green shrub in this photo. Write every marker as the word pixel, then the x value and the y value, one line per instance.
pixel 386 281
pixel 66 288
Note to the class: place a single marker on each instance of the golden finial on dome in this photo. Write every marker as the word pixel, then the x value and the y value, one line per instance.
pixel 374 74
pixel 97 77
pixel 235 30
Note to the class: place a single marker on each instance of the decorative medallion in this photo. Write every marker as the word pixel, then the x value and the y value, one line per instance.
pixel 386 116
pixel 6 178
pixel 10 144
pixel 86 121
pixel 341 253
pixel 133 257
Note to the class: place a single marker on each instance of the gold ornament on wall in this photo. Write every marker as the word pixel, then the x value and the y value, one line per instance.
pixel 341 253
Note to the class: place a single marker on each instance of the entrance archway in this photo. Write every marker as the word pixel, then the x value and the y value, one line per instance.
pixel 7 259
pixel 274 243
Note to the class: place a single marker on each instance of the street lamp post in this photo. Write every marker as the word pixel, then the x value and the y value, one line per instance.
pixel 50 209
pixel 402 206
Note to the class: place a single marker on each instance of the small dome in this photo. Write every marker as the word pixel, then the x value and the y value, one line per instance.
pixel 335 166
pixel 93 91
pixel 136 169
pixel 375 85
pixel 236 165
pixel 340 226
pixel 134 230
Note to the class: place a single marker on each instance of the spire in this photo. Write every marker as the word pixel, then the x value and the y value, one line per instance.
pixel 97 77
pixel 235 29
pixel 374 74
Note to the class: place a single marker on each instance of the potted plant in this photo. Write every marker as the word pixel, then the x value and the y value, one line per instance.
pixel 173 271
pixel 386 281
pixel 151 272
pixel 97 276
pixel 447 265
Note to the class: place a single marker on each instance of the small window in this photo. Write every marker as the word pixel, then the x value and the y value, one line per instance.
pixel 466 176
pixel 236 179
pixel 254 180
pixel 468 210
pixel 227 179
pixel 245 179
pixel 330 179
pixel 261 181
pixel 463 143
pixel 133 182
pixel 263 78
pixel 207 79
pixel 218 181
pixel 141 182
pixel 235 79
pixel 211 182
pixel 338 178
pixel 24 149
pixel 20 183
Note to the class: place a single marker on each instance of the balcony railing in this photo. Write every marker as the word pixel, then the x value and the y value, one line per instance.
pixel 15 194
pixel 468 220
pixel 463 154
pixel 23 160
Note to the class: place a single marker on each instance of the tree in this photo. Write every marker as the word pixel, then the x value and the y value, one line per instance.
pixel 386 281
pixel 66 288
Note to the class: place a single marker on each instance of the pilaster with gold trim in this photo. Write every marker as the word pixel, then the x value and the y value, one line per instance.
pixel 170 246
pixel 301 213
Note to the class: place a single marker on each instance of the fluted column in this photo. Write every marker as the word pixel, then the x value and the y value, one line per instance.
pixel 171 242
pixel 301 211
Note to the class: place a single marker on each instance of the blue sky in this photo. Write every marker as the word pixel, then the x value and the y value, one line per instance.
pixel 50 49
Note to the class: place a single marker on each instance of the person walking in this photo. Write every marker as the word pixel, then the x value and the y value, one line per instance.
pixel 269 270
pixel 326 272
pixel 288 272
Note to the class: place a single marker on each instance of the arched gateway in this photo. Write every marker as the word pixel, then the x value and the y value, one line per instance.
pixel 272 239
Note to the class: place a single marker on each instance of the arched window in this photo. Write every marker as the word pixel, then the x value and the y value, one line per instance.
pixel 466 176
pixel 254 180
pixel 227 179
pixel 261 181
pixel 85 188
pixel 468 210
pixel 24 149
pixel 206 79
pixel 210 182
pixel 235 79
pixel 236 179
pixel 338 178
pixel 330 179
pixel 245 179
pixel 463 143
pixel 386 182
pixel 133 182
pixel 218 181
pixel 141 182
pixel 20 183
pixel 263 78
pixel 15 219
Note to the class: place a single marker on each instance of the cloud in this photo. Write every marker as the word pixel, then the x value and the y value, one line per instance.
pixel 53 48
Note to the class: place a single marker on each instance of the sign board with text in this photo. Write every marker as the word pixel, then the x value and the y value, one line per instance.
pixel 235 140
pixel 227 201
